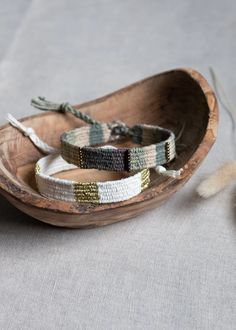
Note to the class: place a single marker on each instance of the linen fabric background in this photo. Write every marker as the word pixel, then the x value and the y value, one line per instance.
pixel 170 268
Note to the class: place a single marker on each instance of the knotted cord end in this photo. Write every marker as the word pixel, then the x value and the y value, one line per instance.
pixel 120 128
pixel 17 124
pixel 41 103
pixel 30 133
pixel 175 174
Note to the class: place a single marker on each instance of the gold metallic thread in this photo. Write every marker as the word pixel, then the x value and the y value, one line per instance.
pixel 37 168
pixel 145 178
pixel 86 192
pixel 167 152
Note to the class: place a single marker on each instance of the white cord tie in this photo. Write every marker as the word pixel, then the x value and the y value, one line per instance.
pixel 170 173
pixel 29 132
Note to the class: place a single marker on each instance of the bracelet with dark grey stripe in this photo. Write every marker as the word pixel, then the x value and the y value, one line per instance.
pixel 157 147
pixel 78 146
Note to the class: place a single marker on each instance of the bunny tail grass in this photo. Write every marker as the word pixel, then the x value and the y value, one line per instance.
pixel 218 180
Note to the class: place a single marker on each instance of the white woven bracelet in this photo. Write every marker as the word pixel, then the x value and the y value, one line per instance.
pixel 85 192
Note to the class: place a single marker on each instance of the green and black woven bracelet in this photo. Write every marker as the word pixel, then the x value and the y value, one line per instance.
pixel 158 149
pixel 78 145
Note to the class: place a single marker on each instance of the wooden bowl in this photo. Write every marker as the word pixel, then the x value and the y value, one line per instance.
pixel 170 99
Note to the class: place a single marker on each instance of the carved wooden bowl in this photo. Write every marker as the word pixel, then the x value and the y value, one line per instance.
pixel 171 99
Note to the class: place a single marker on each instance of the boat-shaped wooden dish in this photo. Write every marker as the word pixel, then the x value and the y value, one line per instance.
pixel 174 99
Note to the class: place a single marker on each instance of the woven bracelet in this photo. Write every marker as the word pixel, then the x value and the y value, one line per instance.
pixel 157 144
pixel 85 192
pixel 76 148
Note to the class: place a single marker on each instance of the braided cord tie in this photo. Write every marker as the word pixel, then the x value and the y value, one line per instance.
pixel 116 127
pixel 30 133
pixel 42 104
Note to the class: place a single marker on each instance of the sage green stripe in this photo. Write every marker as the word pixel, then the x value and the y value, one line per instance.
pixel 160 154
pixel 137 159
pixel 71 137
pixel 137 132
pixel 96 135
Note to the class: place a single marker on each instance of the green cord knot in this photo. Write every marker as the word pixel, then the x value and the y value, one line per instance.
pixel 65 107
pixel 120 128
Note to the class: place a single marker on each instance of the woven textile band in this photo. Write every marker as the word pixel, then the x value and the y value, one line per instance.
pixel 85 192
pixel 158 143
pixel 157 148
